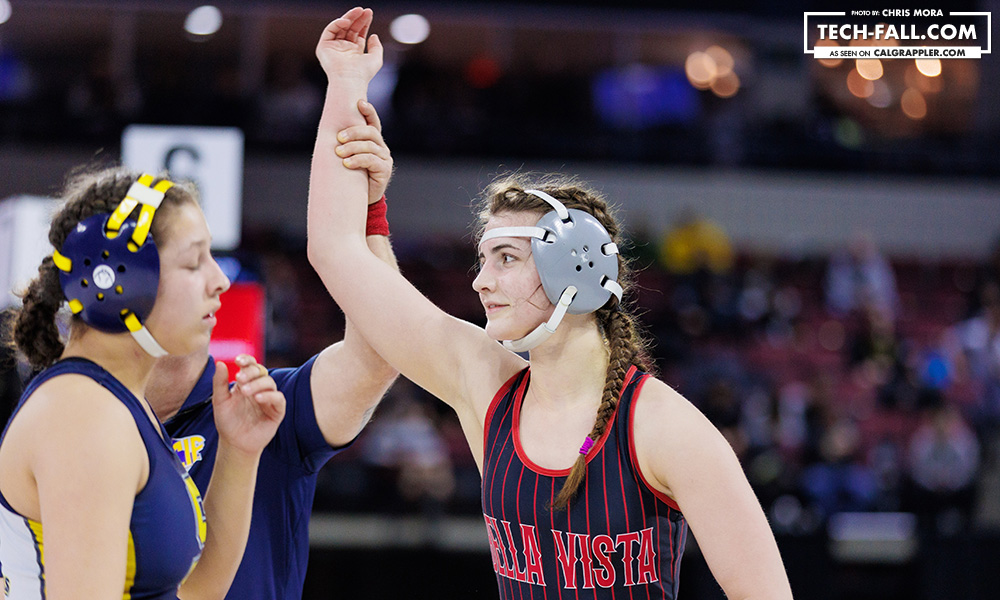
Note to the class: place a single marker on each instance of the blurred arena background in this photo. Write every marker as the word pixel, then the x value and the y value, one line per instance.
pixel 820 250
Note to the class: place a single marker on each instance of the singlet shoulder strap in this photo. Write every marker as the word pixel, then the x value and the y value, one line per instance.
pixel 626 411
pixel 88 368
pixel 504 396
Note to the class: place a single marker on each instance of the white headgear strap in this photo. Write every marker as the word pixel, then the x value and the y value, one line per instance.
pixel 543 331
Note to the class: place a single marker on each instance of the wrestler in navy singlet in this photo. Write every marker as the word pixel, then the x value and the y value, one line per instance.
pixel 167 528
pixel 617 538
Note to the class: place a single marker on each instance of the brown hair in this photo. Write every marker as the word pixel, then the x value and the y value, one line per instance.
pixel 626 345
pixel 35 332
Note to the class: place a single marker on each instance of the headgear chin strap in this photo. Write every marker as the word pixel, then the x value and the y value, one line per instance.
pixel 576 260
pixel 110 267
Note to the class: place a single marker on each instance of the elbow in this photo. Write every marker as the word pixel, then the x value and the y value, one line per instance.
pixel 388 375
pixel 321 259
pixel 316 254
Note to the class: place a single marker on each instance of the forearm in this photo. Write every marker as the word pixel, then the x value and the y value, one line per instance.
pixel 228 504
pixel 337 195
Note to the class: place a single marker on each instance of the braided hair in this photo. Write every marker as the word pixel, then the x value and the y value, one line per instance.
pixel 626 346
pixel 35 331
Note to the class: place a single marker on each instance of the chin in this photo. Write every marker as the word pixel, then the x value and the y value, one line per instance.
pixel 500 333
pixel 497 331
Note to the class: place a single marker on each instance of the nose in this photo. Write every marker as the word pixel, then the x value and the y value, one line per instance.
pixel 484 280
pixel 218 282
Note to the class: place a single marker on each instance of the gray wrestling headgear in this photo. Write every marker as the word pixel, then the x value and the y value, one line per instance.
pixel 576 260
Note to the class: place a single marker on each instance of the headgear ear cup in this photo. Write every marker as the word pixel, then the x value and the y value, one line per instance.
pixel 109 266
pixel 576 260
pixel 578 252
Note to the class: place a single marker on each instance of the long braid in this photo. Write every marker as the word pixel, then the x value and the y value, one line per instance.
pixel 35 331
pixel 624 352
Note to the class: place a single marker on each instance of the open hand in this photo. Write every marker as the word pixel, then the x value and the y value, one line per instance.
pixel 341 47
pixel 248 414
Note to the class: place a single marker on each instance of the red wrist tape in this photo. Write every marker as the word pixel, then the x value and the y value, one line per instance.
pixel 377 223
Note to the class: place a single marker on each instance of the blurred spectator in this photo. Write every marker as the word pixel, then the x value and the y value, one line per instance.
pixel 722 406
pixel 404 443
pixel 834 477
pixel 973 346
pixel 283 307
pixel 861 277
pixel 99 101
pixel 18 82
pixel 694 243
pixel 697 252
pixel 875 348
pixel 944 462
pixel 839 480
pixel 290 104
pixel 988 272
pixel 10 384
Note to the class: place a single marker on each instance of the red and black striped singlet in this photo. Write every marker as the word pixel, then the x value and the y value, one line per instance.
pixel 618 538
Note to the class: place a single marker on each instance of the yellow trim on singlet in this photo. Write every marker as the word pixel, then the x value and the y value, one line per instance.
pixel 129 568
pixel 199 511
pixel 36 534
pixel 130 562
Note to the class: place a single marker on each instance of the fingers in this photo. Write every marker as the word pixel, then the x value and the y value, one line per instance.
pixel 368 162
pixel 375 47
pixel 362 147
pixel 253 378
pixel 362 133
pixel 220 382
pixel 371 115
pixel 271 403
pixel 339 27
pixel 359 28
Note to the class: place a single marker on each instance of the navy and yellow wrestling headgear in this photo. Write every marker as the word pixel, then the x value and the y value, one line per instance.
pixel 576 261
pixel 109 267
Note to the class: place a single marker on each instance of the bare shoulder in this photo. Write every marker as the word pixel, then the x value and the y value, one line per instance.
pixel 75 414
pixel 673 439
pixel 71 430
pixel 79 397
pixel 662 407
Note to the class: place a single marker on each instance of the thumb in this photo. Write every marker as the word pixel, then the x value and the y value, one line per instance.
pixel 375 46
pixel 220 382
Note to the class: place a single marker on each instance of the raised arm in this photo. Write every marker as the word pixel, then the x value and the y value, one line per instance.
pixel 684 456
pixel 247 416
pixel 349 378
pixel 452 359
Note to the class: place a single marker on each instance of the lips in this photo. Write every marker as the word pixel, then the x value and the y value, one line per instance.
pixel 492 307
pixel 211 314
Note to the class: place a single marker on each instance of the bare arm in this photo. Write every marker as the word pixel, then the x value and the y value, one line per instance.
pixel 247 417
pixel 88 462
pixel 450 358
pixel 684 456
pixel 349 378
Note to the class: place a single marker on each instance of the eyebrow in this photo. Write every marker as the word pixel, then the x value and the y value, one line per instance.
pixel 196 245
pixel 499 247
